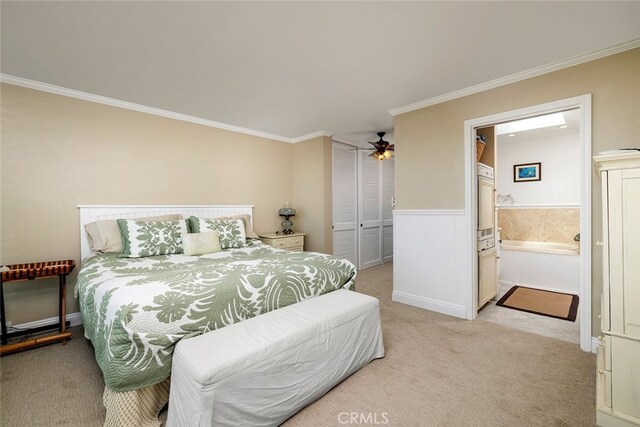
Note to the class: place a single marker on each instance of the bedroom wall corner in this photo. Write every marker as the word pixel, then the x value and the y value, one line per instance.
pixel 312 192
pixel 59 152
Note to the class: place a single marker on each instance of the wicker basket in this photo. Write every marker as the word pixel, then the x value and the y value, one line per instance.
pixel 480 146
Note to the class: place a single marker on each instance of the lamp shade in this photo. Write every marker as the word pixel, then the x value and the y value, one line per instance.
pixel 287 212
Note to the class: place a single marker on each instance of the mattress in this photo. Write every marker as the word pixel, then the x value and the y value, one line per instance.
pixel 135 310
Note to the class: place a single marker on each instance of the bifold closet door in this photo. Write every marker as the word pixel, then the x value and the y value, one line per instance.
pixel 345 202
pixel 370 184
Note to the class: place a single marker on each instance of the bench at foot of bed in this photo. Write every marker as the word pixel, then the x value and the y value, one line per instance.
pixel 263 370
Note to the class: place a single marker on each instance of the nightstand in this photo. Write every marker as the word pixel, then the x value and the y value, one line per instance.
pixel 291 242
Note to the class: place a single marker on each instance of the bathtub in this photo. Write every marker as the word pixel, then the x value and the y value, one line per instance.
pixel 544 265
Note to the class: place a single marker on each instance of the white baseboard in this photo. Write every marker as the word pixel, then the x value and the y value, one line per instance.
pixel 430 304
pixel 74 320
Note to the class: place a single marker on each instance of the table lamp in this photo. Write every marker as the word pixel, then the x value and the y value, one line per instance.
pixel 287 225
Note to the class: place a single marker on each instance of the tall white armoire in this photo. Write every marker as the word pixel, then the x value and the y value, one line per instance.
pixel 618 362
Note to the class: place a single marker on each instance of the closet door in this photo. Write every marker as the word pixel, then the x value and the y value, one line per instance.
pixel 345 202
pixel 387 209
pixel 370 184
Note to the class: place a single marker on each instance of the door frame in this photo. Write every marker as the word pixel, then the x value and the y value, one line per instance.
pixel 583 103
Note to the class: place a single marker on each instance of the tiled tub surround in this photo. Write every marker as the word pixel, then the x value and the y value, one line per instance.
pixel 539 224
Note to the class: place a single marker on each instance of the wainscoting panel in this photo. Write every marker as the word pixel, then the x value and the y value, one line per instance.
pixel 431 260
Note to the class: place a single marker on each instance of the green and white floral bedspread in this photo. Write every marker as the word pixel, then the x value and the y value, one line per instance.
pixel 136 309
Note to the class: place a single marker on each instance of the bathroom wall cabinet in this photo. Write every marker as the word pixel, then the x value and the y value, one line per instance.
pixel 487 274
pixel 618 362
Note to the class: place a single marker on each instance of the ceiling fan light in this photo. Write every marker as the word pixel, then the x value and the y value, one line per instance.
pixel 387 154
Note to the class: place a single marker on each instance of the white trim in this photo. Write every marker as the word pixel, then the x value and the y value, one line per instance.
pixel 537 206
pixel 163 206
pixel 429 304
pixel 595 343
pixel 584 104
pixel 524 75
pixel 85 96
pixel 421 212
pixel 74 319
pixel 310 136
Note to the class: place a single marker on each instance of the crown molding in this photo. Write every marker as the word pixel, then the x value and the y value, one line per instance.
pixel 311 136
pixel 524 75
pixel 85 96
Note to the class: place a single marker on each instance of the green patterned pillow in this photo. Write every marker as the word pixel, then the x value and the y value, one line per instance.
pixel 150 238
pixel 232 232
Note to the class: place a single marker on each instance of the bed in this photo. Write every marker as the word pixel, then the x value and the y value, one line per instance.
pixel 135 310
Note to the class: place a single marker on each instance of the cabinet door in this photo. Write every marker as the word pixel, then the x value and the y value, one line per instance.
pixel 625 376
pixel 487 278
pixel 486 205
pixel 631 250
pixel 624 251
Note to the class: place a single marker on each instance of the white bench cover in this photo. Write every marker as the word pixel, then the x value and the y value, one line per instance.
pixel 263 370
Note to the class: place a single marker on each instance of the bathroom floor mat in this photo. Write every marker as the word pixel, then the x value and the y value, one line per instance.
pixel 545 303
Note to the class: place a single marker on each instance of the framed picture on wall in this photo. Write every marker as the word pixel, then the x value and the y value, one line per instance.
pixel 527 172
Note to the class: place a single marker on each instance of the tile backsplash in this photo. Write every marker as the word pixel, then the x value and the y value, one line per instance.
pixel 539 225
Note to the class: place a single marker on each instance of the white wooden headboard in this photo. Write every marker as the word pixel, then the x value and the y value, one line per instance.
pixel 91 213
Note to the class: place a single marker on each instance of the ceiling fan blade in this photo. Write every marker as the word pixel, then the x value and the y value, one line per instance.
pixel 375 144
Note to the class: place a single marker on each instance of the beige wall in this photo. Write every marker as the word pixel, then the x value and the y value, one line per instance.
pixel 312 188
pixel 430 141
pixel 58 152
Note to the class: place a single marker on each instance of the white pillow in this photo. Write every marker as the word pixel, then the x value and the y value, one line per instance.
pixel 201 243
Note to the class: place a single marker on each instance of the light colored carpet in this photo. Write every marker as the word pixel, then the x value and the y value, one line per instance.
pixel 438 371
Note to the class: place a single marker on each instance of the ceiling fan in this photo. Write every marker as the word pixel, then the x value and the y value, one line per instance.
pixel 381 149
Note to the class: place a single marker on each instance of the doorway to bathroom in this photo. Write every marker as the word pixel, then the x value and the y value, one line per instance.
pixel 539 159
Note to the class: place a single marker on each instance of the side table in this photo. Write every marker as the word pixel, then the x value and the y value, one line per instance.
pixel 36 270
pixel 291 242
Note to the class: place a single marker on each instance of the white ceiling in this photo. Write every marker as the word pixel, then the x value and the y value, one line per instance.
pixel 293 68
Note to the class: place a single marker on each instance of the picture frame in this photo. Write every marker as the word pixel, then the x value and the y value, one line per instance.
pixel 527 172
